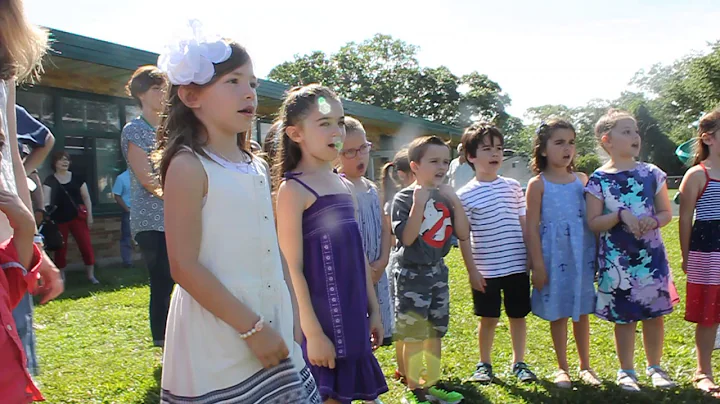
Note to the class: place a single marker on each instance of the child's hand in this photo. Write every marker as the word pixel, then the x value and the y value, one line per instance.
pixel 539 277
pixel 647 223
pixel 376 330
pixel 321 351
pixel 684 265
pixel 477 281
pixel 632 222
pixel 20 218
pixel 421 195
pixel 268 346
pixel 376 274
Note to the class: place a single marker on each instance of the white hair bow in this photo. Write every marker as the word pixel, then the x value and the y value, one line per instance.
pixel 189 58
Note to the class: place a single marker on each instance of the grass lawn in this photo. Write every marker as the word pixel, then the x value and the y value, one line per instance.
pixel 95 347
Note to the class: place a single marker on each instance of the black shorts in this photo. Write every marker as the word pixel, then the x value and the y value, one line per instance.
pixel 515 291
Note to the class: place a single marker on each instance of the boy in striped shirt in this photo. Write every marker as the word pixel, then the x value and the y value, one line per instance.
pixel 495 254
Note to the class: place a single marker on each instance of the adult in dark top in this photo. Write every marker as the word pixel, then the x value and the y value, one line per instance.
pixel 68 194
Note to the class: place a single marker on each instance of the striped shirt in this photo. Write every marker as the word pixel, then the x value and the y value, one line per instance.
pixel 494 210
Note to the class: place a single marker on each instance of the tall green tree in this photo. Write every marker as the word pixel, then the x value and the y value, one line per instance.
pixel 385 72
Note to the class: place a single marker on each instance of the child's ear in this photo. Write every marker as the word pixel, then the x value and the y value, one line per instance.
pixel 414 166
pixel 605 139
pixel 294 133
pixel 707 138
pixel 189 97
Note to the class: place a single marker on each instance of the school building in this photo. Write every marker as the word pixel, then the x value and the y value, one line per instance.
pixel 81 98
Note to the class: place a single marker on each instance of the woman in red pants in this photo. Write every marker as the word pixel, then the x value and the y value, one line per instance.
pixel 68 194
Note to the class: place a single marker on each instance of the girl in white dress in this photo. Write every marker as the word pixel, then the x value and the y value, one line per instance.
pixel 230 334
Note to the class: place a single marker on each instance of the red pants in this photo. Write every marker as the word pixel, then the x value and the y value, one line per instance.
pixel 81 233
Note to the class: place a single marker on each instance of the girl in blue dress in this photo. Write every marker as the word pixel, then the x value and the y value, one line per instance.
pixel 561 246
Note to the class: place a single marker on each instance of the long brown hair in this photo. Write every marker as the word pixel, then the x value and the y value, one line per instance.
pixel 181 128
pixel 710 124
pixel 543 134
pixel 295 107
pixel 22 44
pixel 389 180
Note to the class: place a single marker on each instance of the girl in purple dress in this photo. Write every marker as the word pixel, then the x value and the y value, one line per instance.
pixel 321 241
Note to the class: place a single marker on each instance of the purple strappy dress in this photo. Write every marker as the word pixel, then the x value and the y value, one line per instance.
pixel 334 268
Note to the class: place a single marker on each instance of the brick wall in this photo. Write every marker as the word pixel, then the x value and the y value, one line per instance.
pixel 105 236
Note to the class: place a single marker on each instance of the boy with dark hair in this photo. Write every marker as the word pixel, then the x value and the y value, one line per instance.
pixel 495 254
pixel 424 216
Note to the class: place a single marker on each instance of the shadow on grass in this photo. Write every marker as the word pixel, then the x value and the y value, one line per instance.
pixel 544 391
pixel 111 279
pixel 152 395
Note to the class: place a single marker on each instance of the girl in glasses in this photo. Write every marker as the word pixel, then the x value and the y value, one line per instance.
pixel 354 159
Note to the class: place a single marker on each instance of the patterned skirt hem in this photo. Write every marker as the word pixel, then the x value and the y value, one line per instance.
pixel 619 321
pixel 281 384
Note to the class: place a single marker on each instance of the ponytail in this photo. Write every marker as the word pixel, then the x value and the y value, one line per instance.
pixel 388 183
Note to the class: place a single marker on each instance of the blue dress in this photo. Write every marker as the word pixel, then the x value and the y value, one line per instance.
pixel 634 274
pixel 568 248
pixel 370 217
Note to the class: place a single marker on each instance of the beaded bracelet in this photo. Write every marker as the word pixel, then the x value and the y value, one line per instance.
pixel 256 328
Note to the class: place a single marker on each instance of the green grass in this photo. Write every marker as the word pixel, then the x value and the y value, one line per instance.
pixel 95 347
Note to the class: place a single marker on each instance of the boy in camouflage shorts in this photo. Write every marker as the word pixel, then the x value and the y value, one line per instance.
pixel 424 217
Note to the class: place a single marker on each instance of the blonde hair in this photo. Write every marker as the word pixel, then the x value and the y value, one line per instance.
pixel 22 44
pixel 607 122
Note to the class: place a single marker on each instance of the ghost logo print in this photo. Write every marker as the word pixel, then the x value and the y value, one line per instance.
pixel 436 227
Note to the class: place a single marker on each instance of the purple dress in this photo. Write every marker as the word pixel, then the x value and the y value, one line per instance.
pixel 334 268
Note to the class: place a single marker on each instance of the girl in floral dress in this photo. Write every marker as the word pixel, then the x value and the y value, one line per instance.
pixel 627 204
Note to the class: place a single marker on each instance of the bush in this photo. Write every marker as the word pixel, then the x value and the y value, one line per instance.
pixel 588 163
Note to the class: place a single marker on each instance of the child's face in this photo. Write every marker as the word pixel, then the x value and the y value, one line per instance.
pixel 431 169
pixel 229 104
pixel 560 148
pixel 488 156
pixel 711 140
pixel 322 132
pixel 355 154
pixel 624 139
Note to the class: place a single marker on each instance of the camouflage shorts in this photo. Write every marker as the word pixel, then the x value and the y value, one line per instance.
pixel 422 302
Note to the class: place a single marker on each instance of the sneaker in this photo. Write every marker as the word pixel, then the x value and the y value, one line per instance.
pixel 483 373
pixel 94 280
pixel 660 378
pixel 523 372
pixel 627 380
pixel 446 397
pixel 416 396
pixel 589 377
pixel 400 377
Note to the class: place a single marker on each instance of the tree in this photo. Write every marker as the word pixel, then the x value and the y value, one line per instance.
pixel 385 72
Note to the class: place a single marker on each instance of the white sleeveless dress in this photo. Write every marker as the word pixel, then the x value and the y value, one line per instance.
pixel 205 360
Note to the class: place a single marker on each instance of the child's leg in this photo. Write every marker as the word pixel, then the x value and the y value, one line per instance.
pixel 439 319
pixel 433 355
pixel 486 336
pixel 625 344
pixel 413 306
pixel 413 358
pixel 653 338
pixel 516 297
pixel 399 352
pixel 705 342
pixel 581 331
pixel 487 307
pixel 518 333
pixel 558 330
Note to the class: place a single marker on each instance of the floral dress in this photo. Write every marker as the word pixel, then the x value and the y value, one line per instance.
pixel 634 274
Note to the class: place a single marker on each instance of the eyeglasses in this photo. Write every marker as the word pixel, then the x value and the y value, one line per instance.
pixel 351 153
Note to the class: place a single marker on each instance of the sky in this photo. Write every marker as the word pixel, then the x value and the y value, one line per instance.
pixel 540 52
